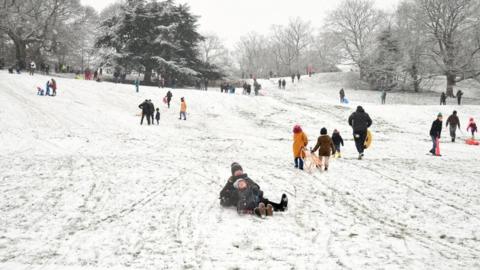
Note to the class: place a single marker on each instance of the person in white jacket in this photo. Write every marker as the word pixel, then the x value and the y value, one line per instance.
pixel 32 68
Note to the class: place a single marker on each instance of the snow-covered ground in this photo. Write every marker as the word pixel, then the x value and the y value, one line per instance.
pixel 84 187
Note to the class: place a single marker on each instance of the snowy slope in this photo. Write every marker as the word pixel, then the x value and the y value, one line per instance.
pixel 84 187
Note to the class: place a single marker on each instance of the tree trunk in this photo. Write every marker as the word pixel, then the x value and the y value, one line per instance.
pixel 416 81
pixel 147 78
pixel 20 50
pixel 451 82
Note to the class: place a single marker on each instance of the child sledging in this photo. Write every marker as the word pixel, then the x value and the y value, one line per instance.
pixel 243 193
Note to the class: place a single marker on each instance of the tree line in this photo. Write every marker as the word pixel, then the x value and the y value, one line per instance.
pixel 398 50
pixel 146 37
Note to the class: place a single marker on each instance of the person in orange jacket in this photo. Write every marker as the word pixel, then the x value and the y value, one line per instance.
pixel 300 141
pixel 183 109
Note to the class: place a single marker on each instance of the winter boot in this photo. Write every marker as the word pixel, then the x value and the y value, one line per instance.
pixel 360 157
pixel 260 211
pixel 326 168
pixel 269 210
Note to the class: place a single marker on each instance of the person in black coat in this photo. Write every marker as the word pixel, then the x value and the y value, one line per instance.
pixel 151 111
pixel 459 97
pixel 169 98
pixel 443 99
pixel 337 142
pixel 248 198
pixel 436 132
pixel 360 121
pixel 145 111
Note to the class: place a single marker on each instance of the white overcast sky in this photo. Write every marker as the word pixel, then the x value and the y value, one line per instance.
pixel 231 19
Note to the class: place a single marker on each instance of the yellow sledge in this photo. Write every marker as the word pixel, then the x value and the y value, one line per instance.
pixel 368 140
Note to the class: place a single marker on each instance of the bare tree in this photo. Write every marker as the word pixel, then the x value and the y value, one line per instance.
pixel 253 54
pixel 289 43
pixel 32 24
pixel 356 22
pixel 453 28
pixel 212 50
pixel 413 42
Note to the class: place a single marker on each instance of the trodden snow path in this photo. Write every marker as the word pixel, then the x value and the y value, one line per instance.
pixel 84 186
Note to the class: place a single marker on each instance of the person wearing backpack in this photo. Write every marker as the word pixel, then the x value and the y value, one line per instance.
pixel 243 193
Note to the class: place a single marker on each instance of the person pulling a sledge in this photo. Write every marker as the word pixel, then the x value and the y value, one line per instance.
pixel 243 193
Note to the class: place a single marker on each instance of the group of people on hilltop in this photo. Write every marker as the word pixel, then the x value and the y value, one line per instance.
pixel 201 84
pixel 298 77
pixel 453 123
pixel 227 88
pixel 459 96
pixel 153 114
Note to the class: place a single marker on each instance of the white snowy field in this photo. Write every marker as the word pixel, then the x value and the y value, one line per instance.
pixel 84 187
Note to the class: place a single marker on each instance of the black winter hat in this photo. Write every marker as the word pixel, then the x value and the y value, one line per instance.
pixel 360 109
pixel 236 167
pixel 323 131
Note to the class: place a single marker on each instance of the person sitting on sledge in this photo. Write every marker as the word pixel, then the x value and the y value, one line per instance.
pixel 40 91
pixel 472 127
pixel 246 195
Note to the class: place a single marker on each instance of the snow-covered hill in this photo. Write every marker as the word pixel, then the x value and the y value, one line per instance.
pixel 84 186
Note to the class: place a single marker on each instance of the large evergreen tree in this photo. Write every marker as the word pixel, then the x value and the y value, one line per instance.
pixel 154 36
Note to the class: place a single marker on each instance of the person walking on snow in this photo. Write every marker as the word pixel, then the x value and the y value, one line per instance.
pixel 436 132
pixel 384 96
pixel 472 127
pixel 342 95
pixel 279 83
pixel 243 193
pixel 454 123
pixel 360 121
pixel 145 111
pixel 157 116
pixel 300 141
pixel 169 98
pixel 337 141
pixel 137 84
pixel 293 78
pixel 459 97
pixel 298 76
pixel 284 84
pixel 183 109
pixel 325 147
pixel 443 99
